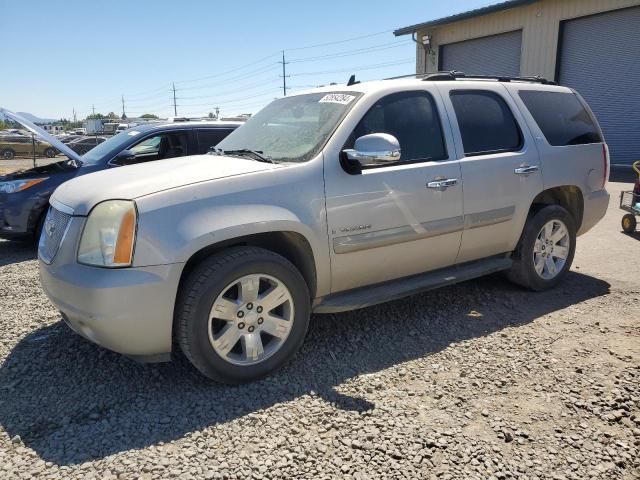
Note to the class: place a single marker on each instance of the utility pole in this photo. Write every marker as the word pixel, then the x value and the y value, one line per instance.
pixel 284 74
pixel 217 113
pixel 124 115
pixel 175 107
pixel 74 116
pixel 93 109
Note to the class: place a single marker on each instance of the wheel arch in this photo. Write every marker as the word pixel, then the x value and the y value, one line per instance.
pixel 569 197
pixel 289 244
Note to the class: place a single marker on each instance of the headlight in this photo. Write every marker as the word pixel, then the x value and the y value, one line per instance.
pixel 14 186
pixel 109 234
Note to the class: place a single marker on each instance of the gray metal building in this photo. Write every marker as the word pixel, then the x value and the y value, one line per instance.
pixel 590 45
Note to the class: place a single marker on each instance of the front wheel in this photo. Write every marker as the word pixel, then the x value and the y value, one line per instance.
pixel 241 314
pixel 8 154
pixel 50 152
pixel 629 223
pixel 545 251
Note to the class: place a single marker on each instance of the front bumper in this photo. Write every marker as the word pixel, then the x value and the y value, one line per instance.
pixel 129 310
pixel 595 208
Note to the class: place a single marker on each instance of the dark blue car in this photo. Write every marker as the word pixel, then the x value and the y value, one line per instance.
pixel 24 195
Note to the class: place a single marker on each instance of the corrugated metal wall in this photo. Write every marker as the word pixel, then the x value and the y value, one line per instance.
pixel 492 55
pixel 600 58
pixel 539 23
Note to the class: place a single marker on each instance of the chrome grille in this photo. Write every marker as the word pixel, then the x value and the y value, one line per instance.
pixel 53 231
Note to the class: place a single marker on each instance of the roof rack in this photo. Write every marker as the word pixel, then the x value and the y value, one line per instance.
pixel 454 75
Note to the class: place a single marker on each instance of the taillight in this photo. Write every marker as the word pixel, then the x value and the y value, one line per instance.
pixel 606 164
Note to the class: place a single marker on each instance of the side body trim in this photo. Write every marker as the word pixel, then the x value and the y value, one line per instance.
pixel 409 233
pixel 391 236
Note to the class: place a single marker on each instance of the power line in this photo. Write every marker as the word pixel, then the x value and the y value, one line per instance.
pixel 219 94
pixel 339 41
pixel 352 69
pixel 262 94
pixel 265 69
pixel 349 53
pixel 230 71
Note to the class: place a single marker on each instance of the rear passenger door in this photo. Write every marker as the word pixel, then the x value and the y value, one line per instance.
pixel 500 167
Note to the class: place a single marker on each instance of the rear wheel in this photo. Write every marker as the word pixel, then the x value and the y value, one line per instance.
pixel 8 153
pixel 241 314
pixel 50 152
pixel 545 251
pixel 629 223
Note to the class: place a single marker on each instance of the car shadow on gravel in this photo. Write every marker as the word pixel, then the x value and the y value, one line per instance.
pixel 72 401
pixel 16 252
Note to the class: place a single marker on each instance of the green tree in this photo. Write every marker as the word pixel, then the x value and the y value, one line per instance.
pixel 150 116
pixel 3 126
pixel 96 116
pixel 113 116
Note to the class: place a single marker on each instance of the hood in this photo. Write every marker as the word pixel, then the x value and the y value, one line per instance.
pixel 42 134
pixel 42 170
pixel 134 181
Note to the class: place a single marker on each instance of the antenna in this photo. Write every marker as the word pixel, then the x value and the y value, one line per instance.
pixel 352 81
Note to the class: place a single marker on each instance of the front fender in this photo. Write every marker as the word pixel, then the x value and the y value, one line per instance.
pixel 175 236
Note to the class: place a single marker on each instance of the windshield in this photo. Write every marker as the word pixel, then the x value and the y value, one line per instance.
pixel 112 146
pixel 292 129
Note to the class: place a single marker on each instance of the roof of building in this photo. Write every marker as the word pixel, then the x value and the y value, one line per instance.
pixel 478 12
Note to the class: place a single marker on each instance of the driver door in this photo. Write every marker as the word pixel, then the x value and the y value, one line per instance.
pixel 392 221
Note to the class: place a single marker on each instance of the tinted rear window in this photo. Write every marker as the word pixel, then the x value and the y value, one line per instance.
pixel 561 117
pixel 486 123
pixel 211 137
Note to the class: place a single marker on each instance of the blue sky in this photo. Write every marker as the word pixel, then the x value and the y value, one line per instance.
pixel 75 54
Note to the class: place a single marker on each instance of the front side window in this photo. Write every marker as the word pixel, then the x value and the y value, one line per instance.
pixel 292 129
pixel 486 122
pixel 412 118
pixel 561 117
pixel 161 146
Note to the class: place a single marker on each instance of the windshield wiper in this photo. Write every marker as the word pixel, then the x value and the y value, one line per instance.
pixel 245 152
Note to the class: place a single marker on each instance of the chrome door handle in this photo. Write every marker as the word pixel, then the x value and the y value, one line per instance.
pixel 446 183
pixel 526 170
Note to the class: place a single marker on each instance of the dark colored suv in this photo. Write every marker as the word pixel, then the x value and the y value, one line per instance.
pixel 24 195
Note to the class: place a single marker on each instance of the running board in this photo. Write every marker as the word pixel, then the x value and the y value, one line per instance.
pixel 394 289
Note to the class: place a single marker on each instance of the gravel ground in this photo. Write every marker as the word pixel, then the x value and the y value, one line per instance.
pixel 479 380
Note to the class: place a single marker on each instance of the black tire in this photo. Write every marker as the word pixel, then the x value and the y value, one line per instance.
pixel 8 154
pixel 629 223
pixel 202 287
pixel 50 152
pixel 523 271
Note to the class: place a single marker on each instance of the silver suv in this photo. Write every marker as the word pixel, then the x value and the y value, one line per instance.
pixel 331 200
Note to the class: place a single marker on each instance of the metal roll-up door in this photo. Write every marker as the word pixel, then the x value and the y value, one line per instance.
pixel 494 55
pixel 600 58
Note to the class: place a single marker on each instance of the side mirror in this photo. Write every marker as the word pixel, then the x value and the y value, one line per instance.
pixel 125 157
pixel 375 149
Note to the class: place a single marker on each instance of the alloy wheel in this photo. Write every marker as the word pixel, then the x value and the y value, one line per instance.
pixel 251 319
pixel 551 249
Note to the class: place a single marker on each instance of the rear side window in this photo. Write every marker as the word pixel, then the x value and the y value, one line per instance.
pixel 561 117
pixel 210 137
pixel 411 117
pixel 486 123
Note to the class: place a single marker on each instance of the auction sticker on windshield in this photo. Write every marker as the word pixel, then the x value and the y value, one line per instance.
pixel 341 98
